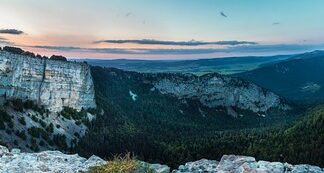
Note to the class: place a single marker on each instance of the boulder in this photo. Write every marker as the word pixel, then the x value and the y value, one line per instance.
pixel 202 165
pixel 46 161
pixel 244 164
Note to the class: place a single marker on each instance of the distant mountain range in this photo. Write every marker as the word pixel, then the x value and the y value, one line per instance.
pixel 201 66
pixel 299 78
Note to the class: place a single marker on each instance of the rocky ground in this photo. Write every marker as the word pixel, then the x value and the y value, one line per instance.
pixel 244 164
pixel 15 161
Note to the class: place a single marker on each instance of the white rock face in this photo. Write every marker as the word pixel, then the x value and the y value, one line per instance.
pixel 244 164
pixel 47 161
pixel 214 90
pixel 53 84
pixel 56 162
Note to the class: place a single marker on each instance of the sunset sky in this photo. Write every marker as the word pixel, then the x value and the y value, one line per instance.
pixel 162 29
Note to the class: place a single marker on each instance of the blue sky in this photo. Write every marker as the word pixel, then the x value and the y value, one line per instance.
pixel 127 28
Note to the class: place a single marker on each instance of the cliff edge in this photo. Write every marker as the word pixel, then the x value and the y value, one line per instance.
pixel 52 83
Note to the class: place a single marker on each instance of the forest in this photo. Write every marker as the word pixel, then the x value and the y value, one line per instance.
pixel 154 130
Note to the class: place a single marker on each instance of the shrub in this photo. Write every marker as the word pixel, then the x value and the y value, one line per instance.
pixel 60 141
pixel 34 145
pixel 50 128
pixel 125 164
pixel 18 104
pixel 69 113
pixel 58 57
pixel 22 121
pixel 2 126
pixel 21 134
pixel 42 123
pixel 4 117
pixel 10 124
pixel 8 132
pixel 34 118
pixel 28 104
pixel 42 143
pixel 35 131
pixel 15 50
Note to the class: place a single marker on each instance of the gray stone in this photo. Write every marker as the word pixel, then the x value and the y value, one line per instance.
pixel 53 84
pixel 244 164
pixel 46 161
pixel 199 166
pixel 156 168
pixel 3 150
pixel 215 90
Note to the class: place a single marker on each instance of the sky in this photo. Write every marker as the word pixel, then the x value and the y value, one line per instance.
pixel 162 29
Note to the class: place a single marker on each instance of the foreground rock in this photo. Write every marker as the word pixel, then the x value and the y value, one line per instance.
pixel 47 161
pixel 243 164
pixel 57 162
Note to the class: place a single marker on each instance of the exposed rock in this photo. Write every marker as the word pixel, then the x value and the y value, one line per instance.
pixel 214 90
pixel 57 162
pixel 244 164
pixel 47 161
pixel 157 168
pixel 202 165
pixel 53 84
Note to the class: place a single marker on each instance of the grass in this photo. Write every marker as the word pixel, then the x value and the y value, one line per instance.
pixel 122 164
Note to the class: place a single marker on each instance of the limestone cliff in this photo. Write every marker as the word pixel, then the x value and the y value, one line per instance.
pixel 214 90
pixel 51 83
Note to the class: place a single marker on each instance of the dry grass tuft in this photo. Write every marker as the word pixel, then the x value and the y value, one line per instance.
pixel 120 164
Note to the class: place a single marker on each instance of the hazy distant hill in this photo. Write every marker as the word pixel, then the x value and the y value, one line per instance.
pixel 201 66
pixel 300 78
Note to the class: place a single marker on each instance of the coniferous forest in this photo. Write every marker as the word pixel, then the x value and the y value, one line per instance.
pixel 163 129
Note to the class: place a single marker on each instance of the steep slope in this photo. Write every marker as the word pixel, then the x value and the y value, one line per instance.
pixel 141 112
pixel 44 103
pixel 302 142
pixel 51 83
pixel 299 79
pixel 214 90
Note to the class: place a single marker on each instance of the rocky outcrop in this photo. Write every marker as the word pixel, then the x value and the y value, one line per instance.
pixel 47 161
pixel 244 164
pixel 214 90
pixel 56 162
pixel 51 83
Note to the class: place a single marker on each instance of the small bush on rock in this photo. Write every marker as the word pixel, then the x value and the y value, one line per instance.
pixel 124 164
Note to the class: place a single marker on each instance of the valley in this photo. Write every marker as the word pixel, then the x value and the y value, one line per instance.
pixel 168 118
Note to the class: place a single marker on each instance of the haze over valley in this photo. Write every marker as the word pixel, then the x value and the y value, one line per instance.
pixel 161 86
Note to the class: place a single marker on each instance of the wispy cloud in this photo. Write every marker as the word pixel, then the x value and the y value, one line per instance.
pixel 223 14
pixel 289 48
pixel 11 31
pixel 177 43
pixel 128 14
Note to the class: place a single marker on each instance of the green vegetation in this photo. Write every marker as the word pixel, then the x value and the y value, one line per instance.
pixel 70 113
pixel 21 134
pixel 58 57
pixel 60 141
pixel 161 129
pixel 18 104
pixel 121 164
pixel 35 132
pixel 22 120
pixel 4 117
